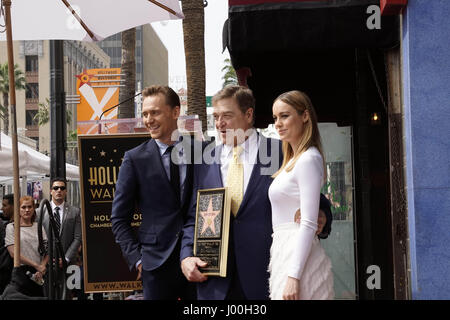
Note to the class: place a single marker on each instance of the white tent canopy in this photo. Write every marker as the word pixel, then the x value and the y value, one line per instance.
pixel 52 19
pixel 32 163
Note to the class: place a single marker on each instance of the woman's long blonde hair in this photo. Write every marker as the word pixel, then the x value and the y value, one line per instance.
pixel 310 136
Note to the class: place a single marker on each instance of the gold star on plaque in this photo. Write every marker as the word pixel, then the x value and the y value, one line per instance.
pixel 208 218
pixel 102 153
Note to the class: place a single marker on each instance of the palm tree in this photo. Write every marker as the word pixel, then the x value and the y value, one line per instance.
pixel 3 112
pixel 43 115
pixel 126 110
pixel 230 77
pixel 194 48
pixel 4 89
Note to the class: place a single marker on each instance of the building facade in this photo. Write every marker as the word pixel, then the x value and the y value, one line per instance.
pixel 426 117
pixel 33 58
pixel 151 56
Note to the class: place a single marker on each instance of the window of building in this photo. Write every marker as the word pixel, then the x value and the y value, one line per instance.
pixel 32 91
pixel 31 64
pixel 30 114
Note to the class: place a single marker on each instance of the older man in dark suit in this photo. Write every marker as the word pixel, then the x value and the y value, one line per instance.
pixel 160 188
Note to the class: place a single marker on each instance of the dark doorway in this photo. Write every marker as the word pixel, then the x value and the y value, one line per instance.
pixel 347 87
pixel 326 49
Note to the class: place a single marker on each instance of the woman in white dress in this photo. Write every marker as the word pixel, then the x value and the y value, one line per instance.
pixel 299 268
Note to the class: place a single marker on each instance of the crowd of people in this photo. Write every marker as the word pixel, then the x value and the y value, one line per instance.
pixel 277 219
pixel 34 260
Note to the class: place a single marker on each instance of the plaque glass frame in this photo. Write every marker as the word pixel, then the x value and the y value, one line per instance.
pixel 212 228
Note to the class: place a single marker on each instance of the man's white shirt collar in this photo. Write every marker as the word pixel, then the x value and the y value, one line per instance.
pixel 249 146
pixel 61 206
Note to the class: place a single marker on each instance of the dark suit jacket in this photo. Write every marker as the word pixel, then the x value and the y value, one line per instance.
pixel 143 183
pixel 250 231
pixel 70 233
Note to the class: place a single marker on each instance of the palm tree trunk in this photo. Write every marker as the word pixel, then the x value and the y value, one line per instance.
pixel 194 48
pixel 6 115
pixel 126 110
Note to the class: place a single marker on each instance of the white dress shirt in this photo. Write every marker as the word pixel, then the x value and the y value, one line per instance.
pixel 248 157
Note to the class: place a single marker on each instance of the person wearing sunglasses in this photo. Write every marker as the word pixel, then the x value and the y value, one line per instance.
pixel 68 222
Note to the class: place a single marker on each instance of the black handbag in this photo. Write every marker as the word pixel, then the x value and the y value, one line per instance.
pixel 6 262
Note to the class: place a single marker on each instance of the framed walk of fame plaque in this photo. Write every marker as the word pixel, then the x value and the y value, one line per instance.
pixel 212 227
pixel 105 269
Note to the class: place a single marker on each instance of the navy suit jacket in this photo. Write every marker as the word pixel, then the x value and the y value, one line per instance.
pixel 143 183
pixel 250 231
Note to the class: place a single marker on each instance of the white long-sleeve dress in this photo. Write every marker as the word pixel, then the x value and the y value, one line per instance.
pixel 296 250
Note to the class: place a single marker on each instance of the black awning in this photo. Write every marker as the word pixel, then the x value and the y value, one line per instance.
pixel 263 26
pixel 304 45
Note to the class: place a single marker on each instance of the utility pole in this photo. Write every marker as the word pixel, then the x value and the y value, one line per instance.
pixel 58 126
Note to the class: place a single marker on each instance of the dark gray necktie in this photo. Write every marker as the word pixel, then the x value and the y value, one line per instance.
pixel 174 174
pixel 57 220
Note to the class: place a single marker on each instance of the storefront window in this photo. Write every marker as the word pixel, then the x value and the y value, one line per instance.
pixel 340 245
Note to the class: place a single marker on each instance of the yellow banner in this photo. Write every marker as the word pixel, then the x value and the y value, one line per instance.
pixel 98 90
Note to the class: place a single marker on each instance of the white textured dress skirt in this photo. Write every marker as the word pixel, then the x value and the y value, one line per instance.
pixel 296 251
pixel 316 282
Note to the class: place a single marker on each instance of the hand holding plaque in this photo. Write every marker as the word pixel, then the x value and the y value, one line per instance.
pixel 212 224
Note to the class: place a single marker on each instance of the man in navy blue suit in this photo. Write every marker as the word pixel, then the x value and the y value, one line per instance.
pixel 160 188
pixel 251 223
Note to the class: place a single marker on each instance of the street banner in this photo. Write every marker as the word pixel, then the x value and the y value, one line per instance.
pixel 98 90
pixel 104 267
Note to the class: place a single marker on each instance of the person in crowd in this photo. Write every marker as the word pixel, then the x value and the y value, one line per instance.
pixel 160 188
pixel 33 261
pixel 7 207
pixel 6 263
pixel 68 224
pixel 299 267
pixel 239 165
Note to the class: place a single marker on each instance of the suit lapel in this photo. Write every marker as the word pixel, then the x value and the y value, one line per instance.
pixel 255 177
pixel 156 159
pixel 215 167
pixel 64 217
pixel 252 185
pixel 188 182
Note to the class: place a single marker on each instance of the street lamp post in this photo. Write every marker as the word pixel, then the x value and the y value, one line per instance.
pixel 58 131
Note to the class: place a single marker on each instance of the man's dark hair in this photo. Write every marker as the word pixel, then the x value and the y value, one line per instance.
pixel 172 98
pixel 58 179
pixel 10 198
pixel 242 95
